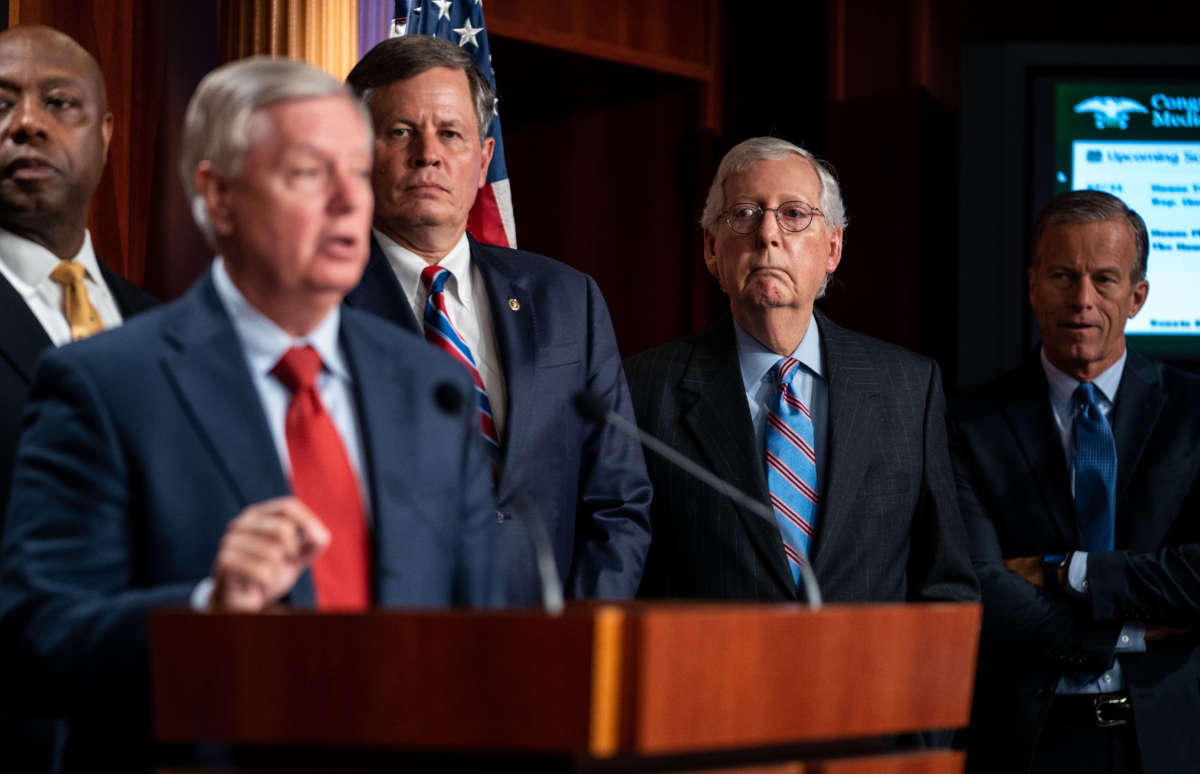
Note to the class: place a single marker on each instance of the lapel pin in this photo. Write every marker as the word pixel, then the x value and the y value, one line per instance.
pixel 514 304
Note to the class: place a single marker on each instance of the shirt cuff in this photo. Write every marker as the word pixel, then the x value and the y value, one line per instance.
pixel 1077 574
pixel 1132 638
pixel 202 594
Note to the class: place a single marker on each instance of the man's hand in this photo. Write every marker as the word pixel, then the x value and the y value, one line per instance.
pixel 1027 567
pixel 263 552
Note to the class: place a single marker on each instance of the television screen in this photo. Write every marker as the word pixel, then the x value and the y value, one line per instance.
pixel 1140 141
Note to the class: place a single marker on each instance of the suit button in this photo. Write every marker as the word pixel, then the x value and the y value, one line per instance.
pixel 499 517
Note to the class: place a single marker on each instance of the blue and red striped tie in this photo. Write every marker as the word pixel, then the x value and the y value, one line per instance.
pixel 440 332
pixel 791 463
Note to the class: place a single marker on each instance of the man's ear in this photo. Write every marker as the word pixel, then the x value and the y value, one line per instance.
pixel 710 253
pixel 834 256
pixel 489 147
pixel 214 189
pixel 106 133
pixel 1140 290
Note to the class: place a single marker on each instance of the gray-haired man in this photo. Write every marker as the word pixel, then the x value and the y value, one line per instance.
pixel 250 444
pixel 842 434
pixel 1079 481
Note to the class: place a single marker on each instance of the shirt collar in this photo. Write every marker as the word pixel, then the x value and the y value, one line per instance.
pixel 31 263
pixel 408 266
pixel 264 342
pixel 1062 385
pixel 756 360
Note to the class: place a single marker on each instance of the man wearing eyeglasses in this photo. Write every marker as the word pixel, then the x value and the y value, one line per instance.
pixel 841 434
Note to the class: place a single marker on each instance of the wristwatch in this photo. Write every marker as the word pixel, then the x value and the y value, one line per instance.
pixel 1054 570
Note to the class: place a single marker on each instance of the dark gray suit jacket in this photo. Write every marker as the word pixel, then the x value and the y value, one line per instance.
pixel 889 528
pixel 1015 495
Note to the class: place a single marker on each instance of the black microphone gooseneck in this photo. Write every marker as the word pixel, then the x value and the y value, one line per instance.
pixel 595 409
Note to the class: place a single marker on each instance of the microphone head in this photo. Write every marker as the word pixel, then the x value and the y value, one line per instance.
pixel 591 406
pixel 448 398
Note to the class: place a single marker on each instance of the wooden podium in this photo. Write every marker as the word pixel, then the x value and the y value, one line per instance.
pixel 602 687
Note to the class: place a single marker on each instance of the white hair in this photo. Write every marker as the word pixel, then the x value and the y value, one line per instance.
pixel 755 149
pixel 217 124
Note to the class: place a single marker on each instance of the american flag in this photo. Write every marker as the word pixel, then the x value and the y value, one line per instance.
pixel 461 22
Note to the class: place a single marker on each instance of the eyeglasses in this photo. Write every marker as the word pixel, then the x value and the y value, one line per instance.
pixel 744 218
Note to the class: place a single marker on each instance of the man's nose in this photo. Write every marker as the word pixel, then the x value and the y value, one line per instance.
pixel 350 192
pixel 1083 293
pixel 425 150
pixel 27 120
pixel 768 233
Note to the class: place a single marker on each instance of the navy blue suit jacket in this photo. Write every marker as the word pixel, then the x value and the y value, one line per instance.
pixel 588 483
pixel 142 443
pixel 1015 494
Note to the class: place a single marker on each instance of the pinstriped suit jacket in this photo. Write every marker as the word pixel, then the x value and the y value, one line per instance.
pixel 889 528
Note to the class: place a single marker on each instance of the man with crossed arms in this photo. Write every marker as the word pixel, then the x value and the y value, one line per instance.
pixel 1079 481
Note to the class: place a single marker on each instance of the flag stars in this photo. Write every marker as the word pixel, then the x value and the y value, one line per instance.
pixel 467 34
pixel 443 7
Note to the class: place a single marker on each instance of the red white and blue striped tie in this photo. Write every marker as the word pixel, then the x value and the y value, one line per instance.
pixel 791 464
pixel 440 332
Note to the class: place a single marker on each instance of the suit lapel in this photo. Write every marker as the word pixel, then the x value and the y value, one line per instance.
pixel 516 336
pixel 24 337
pixel 129 297
pixel 712 402
pixel 854 386
pixel 1031 422
pixel 1139 401
pixel 386 402
pixel 208 368
pixel 379 292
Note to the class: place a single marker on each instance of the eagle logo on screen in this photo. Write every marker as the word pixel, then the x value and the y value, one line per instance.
pixel 1111 112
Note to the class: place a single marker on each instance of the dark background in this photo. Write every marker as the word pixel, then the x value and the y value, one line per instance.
pixel 616 114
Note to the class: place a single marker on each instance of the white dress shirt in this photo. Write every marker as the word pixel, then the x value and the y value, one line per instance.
pixel 27 266
pixel 1132 638
pixel 467 306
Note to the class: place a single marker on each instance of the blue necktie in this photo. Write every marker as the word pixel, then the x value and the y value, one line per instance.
pixel 791 465
pixel 1095 472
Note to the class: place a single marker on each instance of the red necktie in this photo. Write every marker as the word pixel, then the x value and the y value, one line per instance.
pixel 324 481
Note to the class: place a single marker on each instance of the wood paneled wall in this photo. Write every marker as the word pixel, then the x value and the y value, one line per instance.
pixel 152 55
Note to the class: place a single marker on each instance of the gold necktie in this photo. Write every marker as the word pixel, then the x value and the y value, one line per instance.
pixel 78 309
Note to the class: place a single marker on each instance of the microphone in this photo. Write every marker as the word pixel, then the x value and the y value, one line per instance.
pixel 592 407
pixel 450 400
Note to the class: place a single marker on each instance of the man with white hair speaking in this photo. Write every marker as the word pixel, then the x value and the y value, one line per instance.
pixel 841 434
pixel 251 444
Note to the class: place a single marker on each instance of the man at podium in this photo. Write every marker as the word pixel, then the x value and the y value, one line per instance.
pixel 251 444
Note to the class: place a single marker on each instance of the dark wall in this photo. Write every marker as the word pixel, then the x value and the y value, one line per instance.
pixel 602 159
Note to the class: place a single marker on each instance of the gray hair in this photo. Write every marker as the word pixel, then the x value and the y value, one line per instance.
pixel 398 59
pixel 755 149
pixel 1095 207
pixel 217 124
